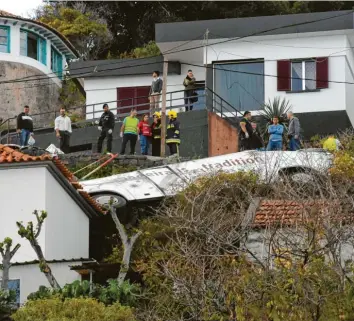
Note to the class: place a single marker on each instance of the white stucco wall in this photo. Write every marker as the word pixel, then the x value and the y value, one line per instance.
pixel 67 226
pixel 22 190
pixel 333 98
pixel 31 278
pixel 104 89
pixel 15 56
pixel 65 234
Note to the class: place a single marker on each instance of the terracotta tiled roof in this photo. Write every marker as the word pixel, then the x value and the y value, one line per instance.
pixel 9 155
pixel 288 212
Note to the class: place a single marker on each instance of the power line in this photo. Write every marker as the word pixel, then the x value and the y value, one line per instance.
pixel 223 41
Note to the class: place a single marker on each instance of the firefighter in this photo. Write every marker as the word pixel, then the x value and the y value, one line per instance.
pixel 172 133
pixel 156 135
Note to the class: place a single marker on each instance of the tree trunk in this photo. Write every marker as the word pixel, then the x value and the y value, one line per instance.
pixel 43 265
pixel 5 272
pixel 128 244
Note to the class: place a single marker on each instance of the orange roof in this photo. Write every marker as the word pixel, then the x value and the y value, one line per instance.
pixel 288 212
pixel 9 155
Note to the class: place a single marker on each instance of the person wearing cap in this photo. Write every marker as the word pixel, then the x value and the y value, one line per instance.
pixel 156 135
pixel 106 126
pixel 246 131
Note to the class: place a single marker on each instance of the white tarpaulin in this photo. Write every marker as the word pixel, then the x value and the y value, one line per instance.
pixel 54 150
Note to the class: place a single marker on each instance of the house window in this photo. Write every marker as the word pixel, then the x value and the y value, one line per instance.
pixel 57 63
pixel 15 286
pixel 4 39
pixel 302 75
pixel 33 46
pixel 241 84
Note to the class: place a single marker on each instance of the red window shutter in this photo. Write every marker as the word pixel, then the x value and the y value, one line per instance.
pixel 142 98
pixel 126 97
pixel 321 72
pixel 284 75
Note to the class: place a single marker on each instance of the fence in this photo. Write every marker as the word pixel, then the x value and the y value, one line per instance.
pixel 87 115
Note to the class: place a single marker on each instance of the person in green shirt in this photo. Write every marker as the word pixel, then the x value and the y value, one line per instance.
pixel 129 132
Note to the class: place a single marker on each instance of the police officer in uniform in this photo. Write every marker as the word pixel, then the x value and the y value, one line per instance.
pixel 156 135
pixel 246 131
pixel 172 133
pixel 106 126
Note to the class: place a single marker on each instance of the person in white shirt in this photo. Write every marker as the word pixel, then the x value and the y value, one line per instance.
pixel 63 130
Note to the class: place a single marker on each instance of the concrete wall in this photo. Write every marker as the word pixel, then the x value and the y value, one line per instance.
pixel 223 138
pixel 65 231
pixel 31 278
pixel 194 136
pixel 286 47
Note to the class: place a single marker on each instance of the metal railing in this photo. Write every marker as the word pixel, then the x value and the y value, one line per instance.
pixel 89 114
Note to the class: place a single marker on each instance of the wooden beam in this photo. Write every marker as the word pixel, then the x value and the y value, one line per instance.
pixel 14 23
pixel 23 25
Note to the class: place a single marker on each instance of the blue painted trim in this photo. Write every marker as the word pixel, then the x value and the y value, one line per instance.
pixel 57 63
pixel 41 47
pixel 8 31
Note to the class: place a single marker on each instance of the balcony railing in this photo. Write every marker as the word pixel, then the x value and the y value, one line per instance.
pixel 89 114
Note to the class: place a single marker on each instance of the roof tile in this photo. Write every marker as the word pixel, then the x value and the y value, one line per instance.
pixel 290 212
pixel 9 155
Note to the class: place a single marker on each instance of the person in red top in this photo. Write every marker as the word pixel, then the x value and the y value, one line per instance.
pixel 144 134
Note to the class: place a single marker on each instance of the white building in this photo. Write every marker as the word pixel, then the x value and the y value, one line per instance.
pixel 39 183
pixel 252 60
pixel 34 55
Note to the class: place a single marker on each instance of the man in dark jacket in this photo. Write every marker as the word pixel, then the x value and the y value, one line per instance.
pixel 155 91
pixel 189 90
pixel 106 126
pixel 246 131
pixel 24 126
pixel 172 133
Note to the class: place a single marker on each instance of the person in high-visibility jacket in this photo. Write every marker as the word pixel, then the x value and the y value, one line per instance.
pixel 172 133
pixel 156 135
pixel 331 144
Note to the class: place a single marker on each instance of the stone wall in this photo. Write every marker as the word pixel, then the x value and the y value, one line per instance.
pixel 39 92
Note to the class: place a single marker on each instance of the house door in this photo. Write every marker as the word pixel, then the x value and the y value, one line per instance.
pixel 130 97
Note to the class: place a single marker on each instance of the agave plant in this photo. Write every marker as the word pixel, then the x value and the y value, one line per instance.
pixel 278 107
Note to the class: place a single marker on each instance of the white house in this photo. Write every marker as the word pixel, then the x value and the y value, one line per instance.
pixel 306 58
pixel 39 183
pixel 34 55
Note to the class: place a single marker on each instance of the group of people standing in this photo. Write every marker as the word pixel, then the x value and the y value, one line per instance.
pixel 133 130
pixel 190 94
pixel 251 139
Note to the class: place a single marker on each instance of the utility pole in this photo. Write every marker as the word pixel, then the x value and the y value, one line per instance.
pixel 206 58
pixel 163 110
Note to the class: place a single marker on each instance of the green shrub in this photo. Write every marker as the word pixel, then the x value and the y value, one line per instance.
pixel 109 294
pixel 7 302
pixel 77 309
